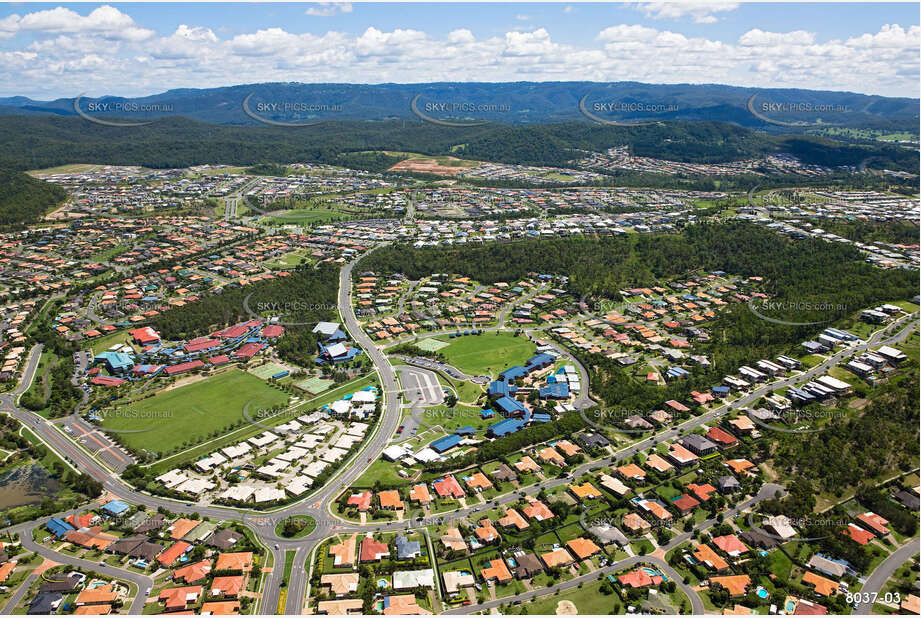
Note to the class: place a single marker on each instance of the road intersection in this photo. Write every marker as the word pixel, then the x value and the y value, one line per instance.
pixel 318 504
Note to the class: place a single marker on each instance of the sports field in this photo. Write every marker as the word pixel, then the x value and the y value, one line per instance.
pixel 190 414
pixel 314 385
pixel 431 344
pixel 267 371
pixel 487 354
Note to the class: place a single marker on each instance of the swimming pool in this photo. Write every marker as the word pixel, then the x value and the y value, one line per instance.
pixel 761 592
pixel 654 572
pixel 790 607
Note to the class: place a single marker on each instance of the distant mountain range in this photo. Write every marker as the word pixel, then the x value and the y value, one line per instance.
pixel 519 103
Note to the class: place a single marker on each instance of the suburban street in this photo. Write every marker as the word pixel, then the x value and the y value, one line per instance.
pixel 877 579
pixel 318 503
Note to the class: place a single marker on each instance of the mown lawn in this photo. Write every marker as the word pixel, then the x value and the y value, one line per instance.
pixel 190 414
pixel 487 354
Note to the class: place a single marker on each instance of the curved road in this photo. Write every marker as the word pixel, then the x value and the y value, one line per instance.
pixel 881 574
pixel 317 504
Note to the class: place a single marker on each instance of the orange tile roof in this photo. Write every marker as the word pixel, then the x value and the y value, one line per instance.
pixel 656 462
pixel 583 548
pixel 639 579
pixel 390 499
pixel 182 527
pixel 172 553
pixel 344 553
pixel 93 610
pixel 656 509
pixel 228 585
pixel 452 540
pixel 735 584
pixel 586 491
pixel 497 569
pixel 557 557
pixel 823 586
pixel 176 598
pixel 94 596
pixel 5 569
pixel 235 561
pixel 633 521
pixel 527 464
pixel 550 454
pixel 631 471
pixel 221 608
pixel 192 573
pixel 486 532
pixel 478 481
pixel 340 607
pixel 567 447
pixel 730 544
pixel 513 518
pixel 706 555
pixel 739 465
pixel 873 521
pixel 403 605
pixel 420 493
pixel 538 510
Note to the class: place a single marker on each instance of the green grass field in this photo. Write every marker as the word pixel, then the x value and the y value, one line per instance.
pixel 190 414
pixel 487 354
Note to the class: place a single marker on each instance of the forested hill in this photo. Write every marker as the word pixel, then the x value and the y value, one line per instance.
pixel 831 281
pixel 513 103
pixel 38 142
pixel 24 199
pixel 809 268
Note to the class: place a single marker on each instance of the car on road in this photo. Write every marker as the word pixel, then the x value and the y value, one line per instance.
pixel 400 429
pixel 276 545
pixel 369 459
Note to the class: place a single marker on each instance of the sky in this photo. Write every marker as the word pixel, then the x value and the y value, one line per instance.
pixel 49 51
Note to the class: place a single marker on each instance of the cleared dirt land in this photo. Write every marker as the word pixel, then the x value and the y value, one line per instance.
pixel 443 166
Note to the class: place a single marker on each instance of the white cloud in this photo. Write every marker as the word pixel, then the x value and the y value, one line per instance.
pixel 461 36
pixel 103 52
pixel 760 38
pixel 701 12
pixel 328 9
pixel 106 21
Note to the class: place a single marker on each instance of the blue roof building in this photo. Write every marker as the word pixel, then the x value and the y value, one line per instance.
pixel 58 527
pixel 541 418
pixel 513 373
pixel 509 406
pixel 487 413
pixel 115 362
pixel 556 390
pixel 465 431
pixel 448 442
pixel 504 428
pixel 498 388
pixel 115 507
pixel 539 361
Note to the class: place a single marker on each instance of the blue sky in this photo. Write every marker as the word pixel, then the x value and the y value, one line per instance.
pixel 52 50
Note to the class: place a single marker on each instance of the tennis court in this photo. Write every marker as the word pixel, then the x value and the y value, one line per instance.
pixel 267 371
pixel 431 344
pixel 314 385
